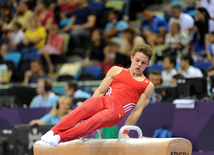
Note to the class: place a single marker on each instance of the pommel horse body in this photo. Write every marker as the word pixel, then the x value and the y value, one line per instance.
pixel 120 146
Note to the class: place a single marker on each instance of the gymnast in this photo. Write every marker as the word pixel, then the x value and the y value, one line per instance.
pixel 122 90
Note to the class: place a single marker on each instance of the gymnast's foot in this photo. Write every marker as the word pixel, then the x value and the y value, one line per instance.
pixel 47 137
pixel 54 141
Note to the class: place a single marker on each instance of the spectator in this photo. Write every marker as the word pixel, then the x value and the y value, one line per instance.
pixel 3 71
pixel 209 5
pixel 15 37
pixel 177 39
pixel 210 71
pixel 175 78
pixel 83 20
pixel 115 27
pixel 130 41
pixel 45 98
pixel 110 53
pixel 55 44
pixel 203 15
pixel 199 41
pixel 6 18
pixel 153 28
pixel 95 51
pixel 64 19
pixel 72 90
pixel 182 17
pixel 35 35
pixel 45 16
pixel 169 71
pixel 62 108
pixel 187 69
pixel 210 48
pixel 35 73
pixel 155 77
pixel 23 14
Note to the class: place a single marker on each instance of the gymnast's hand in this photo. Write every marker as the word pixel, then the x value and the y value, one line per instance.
pixel 124 136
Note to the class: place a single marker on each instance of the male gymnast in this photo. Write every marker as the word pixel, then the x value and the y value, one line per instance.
pixel 122 90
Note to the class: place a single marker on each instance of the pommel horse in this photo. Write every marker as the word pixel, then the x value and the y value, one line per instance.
pixel 120 146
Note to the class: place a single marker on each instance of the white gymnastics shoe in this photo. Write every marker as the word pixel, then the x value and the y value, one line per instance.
pixel 54 141
pixel 47 137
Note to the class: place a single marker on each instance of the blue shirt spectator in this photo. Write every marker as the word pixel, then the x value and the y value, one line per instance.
pixel 46 97
pixel 159 22
pixel 48 119
pixel 40 102
pixel 120 25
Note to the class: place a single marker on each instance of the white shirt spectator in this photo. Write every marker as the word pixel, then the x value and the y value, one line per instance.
pixel 208 6
pixel 17 37
pixel 192 72
pixel 167 77
pixel 186 21
pixel 211 25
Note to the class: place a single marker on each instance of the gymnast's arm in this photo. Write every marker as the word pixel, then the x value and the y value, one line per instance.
pixel 101 90
pixel 141 104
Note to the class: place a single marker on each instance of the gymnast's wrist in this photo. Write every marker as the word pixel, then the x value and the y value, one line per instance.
pixel 126 132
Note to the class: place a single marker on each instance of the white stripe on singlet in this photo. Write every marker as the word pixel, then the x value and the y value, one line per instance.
pixel 128 107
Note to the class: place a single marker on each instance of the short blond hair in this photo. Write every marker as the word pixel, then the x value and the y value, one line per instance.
pixel 54 111
pixel 145 49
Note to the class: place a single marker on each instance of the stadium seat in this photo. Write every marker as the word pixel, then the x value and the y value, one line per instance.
pixel 31 56
pixel 24 65
pixel 119 5
pixel 202 65
pixel 10 65
pixel 94 70
pixel 155 67
pixel 13 56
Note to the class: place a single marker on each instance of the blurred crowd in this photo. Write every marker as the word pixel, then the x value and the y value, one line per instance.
pixel 44 34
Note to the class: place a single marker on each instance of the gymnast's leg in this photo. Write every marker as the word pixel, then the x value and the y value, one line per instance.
pixel 105 118
pixel 84 111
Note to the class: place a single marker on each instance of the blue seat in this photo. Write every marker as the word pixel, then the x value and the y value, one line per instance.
pixel 202 65
pixel 15 57
pixel 94 70
pixel 31 56
pixel 155 67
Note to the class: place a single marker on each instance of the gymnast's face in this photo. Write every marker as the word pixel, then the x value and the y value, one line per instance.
pixel 139 63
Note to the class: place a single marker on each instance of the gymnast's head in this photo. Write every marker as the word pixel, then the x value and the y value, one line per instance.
pixel 140 58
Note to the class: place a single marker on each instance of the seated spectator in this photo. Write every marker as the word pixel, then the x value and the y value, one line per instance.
pixel 169 71
pixel 83 20
pixel 35 73
pixel 177 40
pixel 95 54
pixel 15 37
pixel 203 15
pixel 72 90
pixel 209 5
pixel 210 70
pixel 153 28
pixel 110 53
pixel 45 16
pixel 45 98
pixel 35 36
pixel 64 19
pixel 199 41
pixel 23 14
pixel 182 17
pixel 155 77
pixel 130 40
pixel 187 69
pixel 59 111
pixel 3 71
pixel 5 18
pixel 175 78
pixel 55 44
pixel 114 27
pixel 210 48
pixel 62 6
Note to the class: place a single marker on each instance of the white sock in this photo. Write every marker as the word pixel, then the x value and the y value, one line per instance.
pixel 54 141
pixel 46 137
